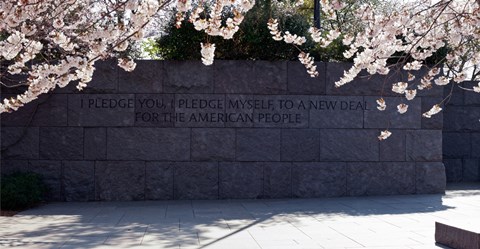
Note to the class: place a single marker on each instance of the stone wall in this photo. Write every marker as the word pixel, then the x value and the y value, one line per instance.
pixel 237 129
pixel 461 136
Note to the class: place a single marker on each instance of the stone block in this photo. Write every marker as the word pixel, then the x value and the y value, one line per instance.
pixel 196 180
pixel 277 180
pixel 20 143
pixel 319 179
pixel 431 178
pixel 457 97
pixel 95 143
pixel 471 168
pixel 436 121
pixel 160 144
pixel 336 112
pixel 8 167
pixel 461 118
pixel 424 145
pixel 200 110
pixel 78 180
pixel 453 169
pixel 383 178
pixel 146 78
pixel 104 80
pixel 300 145
pixel 456 144
pixel 47 110
pixel 239 110
pixel 255 77
pixel 471 98
pixel 258 144
pixel 281 111
pixel 240 180
pixel 120 180
pixel 391 118
pixel 188 77
pixel 457 236
pixel 300 82
pixel 62 143
pixel 51 172
pixel 349 145
pixel 393 149
pixel 435 91
pixel 475 145
pixel 101 109
pixel 155 110
pixel 159 181
pixel 213 144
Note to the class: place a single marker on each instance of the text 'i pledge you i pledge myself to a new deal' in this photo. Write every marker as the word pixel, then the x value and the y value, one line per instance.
pixel 233 109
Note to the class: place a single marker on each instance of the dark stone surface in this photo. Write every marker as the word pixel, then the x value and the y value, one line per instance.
pixel 453 169
pixel 436 121
pixel 196 180
pixel 431 178
pixel 78 180
pixel 457 97
pixel 277 180
pixel 188 77
pixel 391 118
pixel 237 104
pixel 104 80
pixel 162 144
pixel 394 148
pixel 349 145
pixel 424 145
pixel 213 144
pixel 154 110
pixel 20 143
pixel 285 111
pixel 64 143
pixel 258 144
pixel 337 112
pixel 257 77
pixel 47 110
pixel 159 181
pixel 119 180
pixel 146 78
pixel 240 180
pixel 300 145
pixel 319 179
pixel 456 145
pixel 385 178
pixel 461 118
pixel 101 109
pixel 95 144
pixel 200 110
pixel 471 98
pixel 456 236
pixel 471 169
pixel 475 145
pixel 300 82
pixel 8 167
pixel 51 172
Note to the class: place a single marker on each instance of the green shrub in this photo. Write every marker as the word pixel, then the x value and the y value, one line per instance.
pixel 21 190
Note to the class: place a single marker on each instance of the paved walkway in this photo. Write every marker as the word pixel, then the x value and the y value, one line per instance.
pixel 368 222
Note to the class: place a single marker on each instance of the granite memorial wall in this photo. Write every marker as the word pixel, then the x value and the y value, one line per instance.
pixel 236 129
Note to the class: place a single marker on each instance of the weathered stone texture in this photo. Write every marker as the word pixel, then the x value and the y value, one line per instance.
pixel 20 143
pixel 300 82
pixel 101 109
pixel 155 110
pixel 200 110
pixel 258 145
pixel 78 180
pixel 336 112
pixel 431 178
pixel 461 118
pixel 51 173
pixel 188 77
pixel 384 178
pixel 424 145
pixel 319 179
pixel 236 104
pixel 457 236
pixel 161 144
pixel 277 180
pixel 300 145
pixel 393 148
pixel 475 145
pixel 348 145
pixel 456 144
pixel 8 167
pixel 391 117
pixel 119 180
pixel 146 78
pixel 436 121
pixel 471 168
pixel 159 181
pixel 240 180
pixel 196 180
pixel 64 143
pixel 95 144
pixel 213 144
pixel 453 169
pixel 104 80
pixel 285 111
